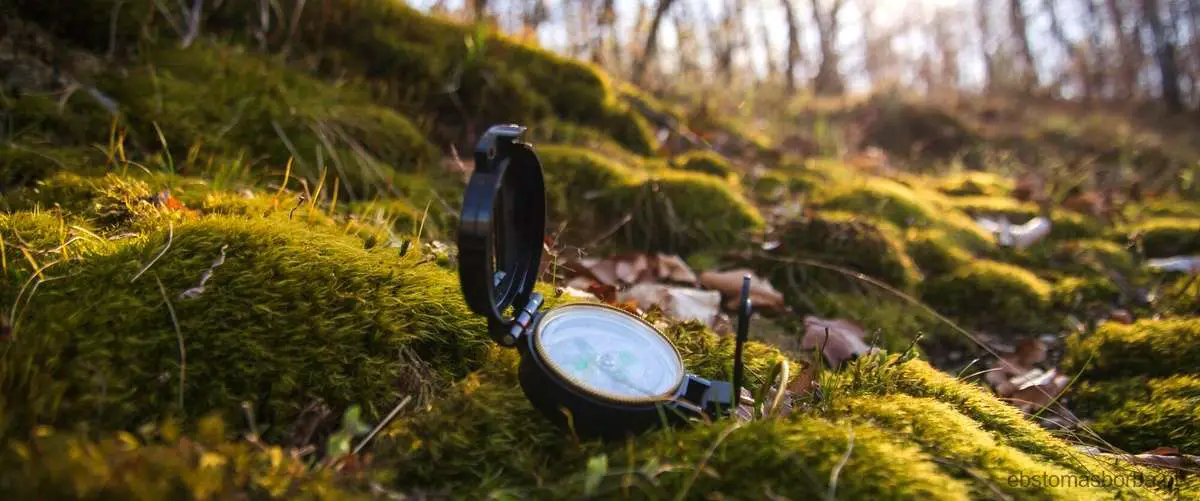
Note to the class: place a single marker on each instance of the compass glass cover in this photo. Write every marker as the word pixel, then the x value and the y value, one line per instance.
pixel 609 353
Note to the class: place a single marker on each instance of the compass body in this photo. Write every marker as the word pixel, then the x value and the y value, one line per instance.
pixel 594 369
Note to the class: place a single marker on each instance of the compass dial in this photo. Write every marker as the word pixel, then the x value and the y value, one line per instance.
pixel 609 353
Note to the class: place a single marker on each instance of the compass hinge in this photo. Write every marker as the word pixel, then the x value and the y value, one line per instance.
pixel 522 321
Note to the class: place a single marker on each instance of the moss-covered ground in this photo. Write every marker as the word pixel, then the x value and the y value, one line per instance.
pixel 220 264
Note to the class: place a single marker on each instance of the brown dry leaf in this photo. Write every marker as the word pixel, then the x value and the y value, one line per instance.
pixel 1030 187
pixel 1162 451
pixel 680 303
pixel 763 296
pixel 1121 316
pixel 839 340
pixel 1005 376
pixel 673 268
pixel 632 269
pixel 1036 389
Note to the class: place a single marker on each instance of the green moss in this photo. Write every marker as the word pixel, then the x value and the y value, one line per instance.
pixel 1063 224
pixel 989 293
pixel 934 252
pixel 575 179
pixel 706 162
pixel 1153 348
pixel 883 198
pixel 1166 237
pixel 1139 414
pixel 684 212
pixel 841 240
pixel 524 454
pixel 888 322
pixel 966 450
pixel 1169 207
pixel 802 455
pixel 256 106
pixel 1075 293
pixel 1181 297
pixel 58 465
pixel 293 314
pixel 974 183
pixel 1090 257
pixel 21 165
pixel 910 129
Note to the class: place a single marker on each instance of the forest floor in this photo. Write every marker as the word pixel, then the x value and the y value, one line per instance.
pixel 226 254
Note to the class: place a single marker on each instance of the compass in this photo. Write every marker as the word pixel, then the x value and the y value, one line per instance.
pixel 595 369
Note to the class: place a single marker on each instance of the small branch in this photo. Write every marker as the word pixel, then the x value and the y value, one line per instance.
pixel 196 291
pixel 382 424
pixel 170 238
pixel 193 24
pixel 178 336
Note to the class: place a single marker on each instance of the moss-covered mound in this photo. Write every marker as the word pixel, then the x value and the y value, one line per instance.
pixel 989 293
pixel 1078 293
pixel 424 64
pixel 684 212
pixel 1154 348
pixel 1140 414
pixel 808 247
pixel 885 199
pixel 1063 224
pixel 1166 237
pixel 667 210
pixel 704 161
pixel 163 464
pixel 975 183
pixel 290 315
pixel 934 252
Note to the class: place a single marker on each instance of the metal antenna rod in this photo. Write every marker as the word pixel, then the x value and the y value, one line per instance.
pixel 743 333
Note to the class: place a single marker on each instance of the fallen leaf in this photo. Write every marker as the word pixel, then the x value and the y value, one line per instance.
pixel 1030 187
pixel 680 303
pixel 763 296
pixel 1120 315
pixel 633 269
pixel 839 340
pixel 1181 264
pixel 576 293
pixel 1163 451
pixel 1037 389
pixel 673 268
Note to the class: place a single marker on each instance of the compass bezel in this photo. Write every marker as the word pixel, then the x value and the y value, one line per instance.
pixel 547 322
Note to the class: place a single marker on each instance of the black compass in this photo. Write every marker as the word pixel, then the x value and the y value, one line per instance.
pixel 599 370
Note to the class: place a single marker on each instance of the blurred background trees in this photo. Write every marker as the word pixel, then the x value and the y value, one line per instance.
pixel 1139 52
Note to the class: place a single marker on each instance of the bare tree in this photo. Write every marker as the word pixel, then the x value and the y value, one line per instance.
pixel 1075 58
pixel 651 46
pixel 1020 29
pixel 829 78
pixel 1130 48
pixel 768 53
pixel 1164 53
pixel 793 48
pixel 985 40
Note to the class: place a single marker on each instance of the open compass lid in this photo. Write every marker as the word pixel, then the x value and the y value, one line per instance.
pixel 501 229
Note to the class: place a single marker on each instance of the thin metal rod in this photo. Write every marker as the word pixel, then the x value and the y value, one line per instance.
pixel 743 334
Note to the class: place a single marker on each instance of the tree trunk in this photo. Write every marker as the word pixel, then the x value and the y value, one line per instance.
pixel 479 9
pixel 828 80
pixel 1130 52
pixel 1077 61
pixel 1016 17
pixel 768 54
pixel 1164 52
pixel 648 50
pixel 793 49
pixel 985 38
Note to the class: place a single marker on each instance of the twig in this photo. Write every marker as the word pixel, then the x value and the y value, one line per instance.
pixel 193 24
pixel 712 449
pixel 837 469
pixel 179 337
pixel 382 424
pixel 199 288
pixel 170 238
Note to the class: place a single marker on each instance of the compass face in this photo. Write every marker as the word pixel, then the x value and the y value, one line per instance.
pixel 608 353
